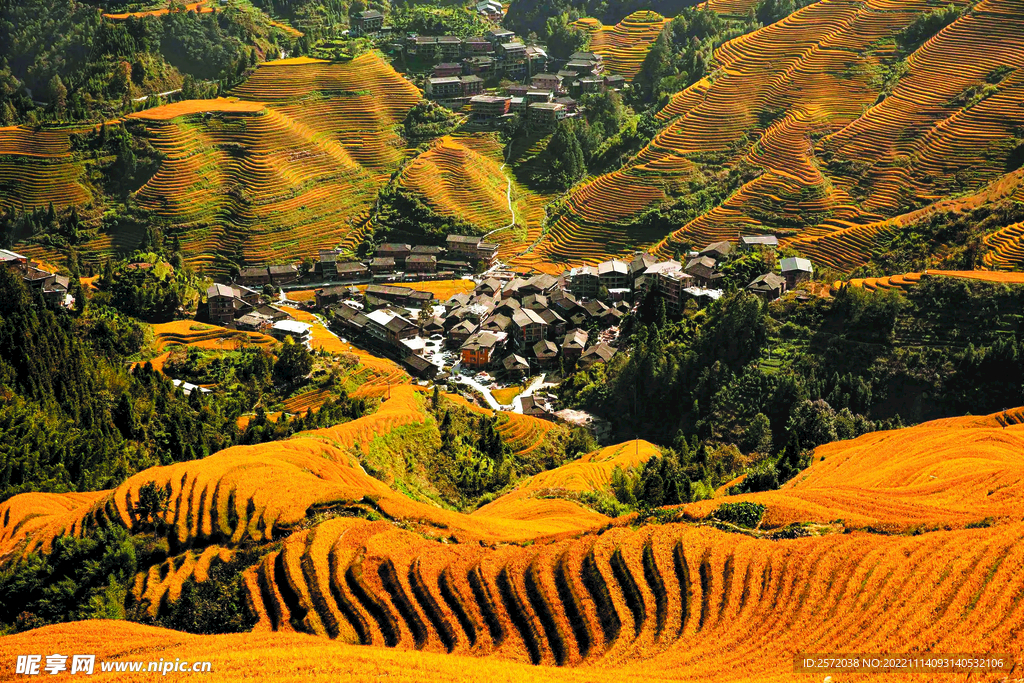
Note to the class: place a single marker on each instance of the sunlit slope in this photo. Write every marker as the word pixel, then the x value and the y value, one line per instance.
pixel 36 168
pixel 524 434
pixel 659 601
pixel 940 474
pixel 456 180
pixel 261 492
pixel 624 45
pixel 591 472
pixel 835 166
pixel 665 601
pixel 289 168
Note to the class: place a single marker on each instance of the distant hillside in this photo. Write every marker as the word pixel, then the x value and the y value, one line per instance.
pixel 828 128
pixel 290 164
pixel 625 44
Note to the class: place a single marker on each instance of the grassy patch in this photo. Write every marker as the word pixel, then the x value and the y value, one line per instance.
pixel 505 396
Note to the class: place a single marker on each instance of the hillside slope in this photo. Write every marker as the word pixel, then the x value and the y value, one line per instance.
pixel 801 105
pixel 624 45
pixel 688 599
pixel 290 164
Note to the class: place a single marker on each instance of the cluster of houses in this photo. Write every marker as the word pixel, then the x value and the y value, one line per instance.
pixel 242 308
pixel 461 65
pixel 508 324
pixel 547 98
pixel 461 254
pixel 394 260
pixel 53 287
pixel 240 305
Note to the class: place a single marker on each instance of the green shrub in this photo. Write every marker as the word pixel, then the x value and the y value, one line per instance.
pixel 744 514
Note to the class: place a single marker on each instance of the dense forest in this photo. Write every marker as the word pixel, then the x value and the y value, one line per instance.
pixel 785 377
pixel 76 417
pixel 64 61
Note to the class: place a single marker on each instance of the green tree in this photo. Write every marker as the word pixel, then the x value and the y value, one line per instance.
pixel 58 94
pixel 565 157
pixel 757 438
pixel 563 39
pixel 151 505
pixel 294 362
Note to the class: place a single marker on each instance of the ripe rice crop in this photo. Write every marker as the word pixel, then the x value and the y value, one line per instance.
pixel 166 112
pixel 302 295
pixel 624 45
pixel 591 472
pixel 191 333
pixel 948 473
pixel 441 289
pixel 987 276
pixel 323 339
pixel 785 86
pixel 290 164
pixel 627 603
pixel 457 181
pixel 37 168
pixel 310 400
pixel 197 7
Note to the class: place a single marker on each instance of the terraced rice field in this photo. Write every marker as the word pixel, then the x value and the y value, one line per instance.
pixel 624 45
pixel 811 76
pixel 591 472
pixel 191 333
pixel 946 473
pixel 902 282
pixel 36 168
pixel 441 289
pixel 906 281
pixel 523 433
pixel 288 165
pixel 198 7
pixel 310 400
pixel 628 603
pixel 457 181
pixel 277 656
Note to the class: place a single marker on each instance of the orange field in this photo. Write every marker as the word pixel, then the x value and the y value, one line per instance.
pixel 524 433
pixel 441 289
pixel 220 105
pixel 929 563
pixel 289 164
pixel 625 44
pixel 191 333
pixel 944 474
pixel 906 281
pixel 799 102
pixel 301 295
pixel 198 7
pixel 592 472
pixel 37 168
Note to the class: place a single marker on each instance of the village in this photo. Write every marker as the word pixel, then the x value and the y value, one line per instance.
pixel 507 328
pixel 524 76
